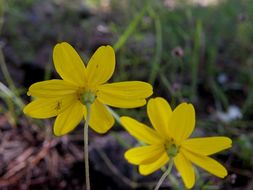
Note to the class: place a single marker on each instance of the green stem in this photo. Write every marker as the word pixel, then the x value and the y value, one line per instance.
pixel 166 173
pixel 86 148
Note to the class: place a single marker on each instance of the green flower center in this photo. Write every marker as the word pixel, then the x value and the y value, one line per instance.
pixel 171 148
pixel 88 97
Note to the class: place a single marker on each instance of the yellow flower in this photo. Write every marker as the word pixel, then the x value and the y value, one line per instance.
pixel 169 139
pixel 67 98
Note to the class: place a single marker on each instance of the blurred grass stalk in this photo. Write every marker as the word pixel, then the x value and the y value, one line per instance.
pixel 158 29
pixel 114 134
pixel 10 94
pixel 130 29
pixel 5 71
pixel 155 65
pixel 11 101
pixel 1 14
pixel 196 59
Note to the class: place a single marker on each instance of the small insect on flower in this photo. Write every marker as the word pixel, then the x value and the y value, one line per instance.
pixel 81 85
pixel 169 140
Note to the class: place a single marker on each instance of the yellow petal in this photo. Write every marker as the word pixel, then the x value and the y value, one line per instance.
pixel 68 64
pixel 145 154
pixel 125 94
pixel 206 163
pixel 69 119
pixel 141 131
pixel 152 167
pixel 182 122
pixel 45 108
pixel 101 119
pixel 207 146
pixel 185 169
pixel 101 66
pixel 51 89
pixel 159 113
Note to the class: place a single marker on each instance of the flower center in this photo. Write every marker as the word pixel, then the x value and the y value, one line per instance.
pixel 88 97
pixel 171 148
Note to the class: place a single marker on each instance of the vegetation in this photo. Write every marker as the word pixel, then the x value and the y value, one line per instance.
pixel 188 52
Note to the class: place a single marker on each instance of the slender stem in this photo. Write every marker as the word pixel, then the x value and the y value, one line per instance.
pixel 86 148
pixel 166 173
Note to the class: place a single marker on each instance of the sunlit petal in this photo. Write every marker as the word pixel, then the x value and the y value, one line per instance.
pixel 42 108
pixel 101 66
pixel 182 122
pixel 141 131
pixel 144 154
pixel 207 146
pixel 68 64
pixel 185 169
pixel 52 89
pixel 206 163
pixel 101 119
pixel 69 119
pixel 159 113
pixel 152 167
pixel 125 94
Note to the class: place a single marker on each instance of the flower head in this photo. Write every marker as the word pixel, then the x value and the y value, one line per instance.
pixel 82 85
pixel 169 140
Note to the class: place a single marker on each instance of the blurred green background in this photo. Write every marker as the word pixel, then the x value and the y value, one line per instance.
pixel 194 51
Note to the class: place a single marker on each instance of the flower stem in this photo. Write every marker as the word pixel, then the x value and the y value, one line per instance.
pixel 86 148
pixel 166 173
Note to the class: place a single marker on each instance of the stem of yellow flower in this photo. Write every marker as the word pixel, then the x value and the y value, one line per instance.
pixel 86 148
pixel 166 173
